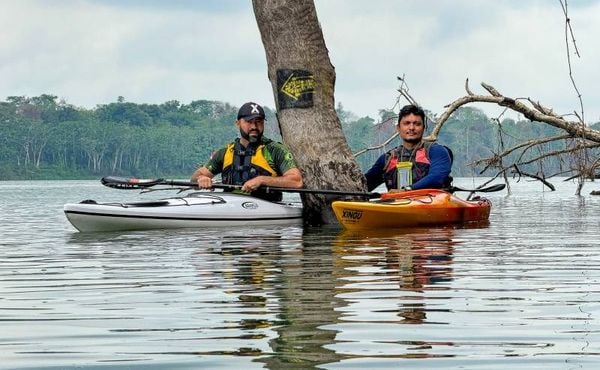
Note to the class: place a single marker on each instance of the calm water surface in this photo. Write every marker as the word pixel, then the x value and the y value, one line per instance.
pixel 521 292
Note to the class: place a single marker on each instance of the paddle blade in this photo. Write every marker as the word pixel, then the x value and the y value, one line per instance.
pixel 489 189
pixel 128 183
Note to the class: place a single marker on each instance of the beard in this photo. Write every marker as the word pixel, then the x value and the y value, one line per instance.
pixel 252 139
pixel 413 141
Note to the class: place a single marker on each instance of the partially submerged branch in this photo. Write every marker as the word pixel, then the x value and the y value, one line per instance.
pixel 542 179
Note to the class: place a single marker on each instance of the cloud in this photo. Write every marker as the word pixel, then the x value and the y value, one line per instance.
pixel 92 51
pixel 517 46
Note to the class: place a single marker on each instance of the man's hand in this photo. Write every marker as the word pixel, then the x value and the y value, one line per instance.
pixel 252 184
pixel 205 182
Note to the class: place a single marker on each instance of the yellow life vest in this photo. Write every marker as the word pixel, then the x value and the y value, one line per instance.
pixel 242 164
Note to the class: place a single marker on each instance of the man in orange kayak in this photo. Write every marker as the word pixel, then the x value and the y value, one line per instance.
pixel 251 161
pixel 414 164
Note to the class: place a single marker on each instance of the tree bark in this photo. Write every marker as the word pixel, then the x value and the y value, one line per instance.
pixel 296 52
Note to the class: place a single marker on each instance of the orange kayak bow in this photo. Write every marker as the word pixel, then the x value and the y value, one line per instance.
pixel 423 207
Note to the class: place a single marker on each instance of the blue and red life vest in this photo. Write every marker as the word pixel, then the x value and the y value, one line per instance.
pixel 419 157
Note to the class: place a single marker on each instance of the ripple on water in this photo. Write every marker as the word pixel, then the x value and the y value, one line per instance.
pixel 521 291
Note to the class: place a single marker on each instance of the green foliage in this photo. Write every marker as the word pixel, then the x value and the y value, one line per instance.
pixel 45 138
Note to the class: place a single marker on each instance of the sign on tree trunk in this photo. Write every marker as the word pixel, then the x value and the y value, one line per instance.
pixel 303 81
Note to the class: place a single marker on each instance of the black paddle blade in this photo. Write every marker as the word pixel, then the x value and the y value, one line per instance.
pixel 492 188
pixel 489 189
pixel 128 183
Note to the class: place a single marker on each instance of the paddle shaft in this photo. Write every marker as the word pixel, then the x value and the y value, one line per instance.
pixel 132 183
pixel 289 190
pixel 489 189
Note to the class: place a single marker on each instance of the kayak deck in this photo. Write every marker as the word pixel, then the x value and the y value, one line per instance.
pixel 200 209
pixel 424 207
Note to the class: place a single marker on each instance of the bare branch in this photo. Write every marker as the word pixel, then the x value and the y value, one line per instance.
pixel 382 145
pixel 403 90
pixel 582 172
pixel 537 177
pixel 526 144
pixel 569 31
pixel 467 87
pixel 538 114
pixel 555 153
pixel 542 109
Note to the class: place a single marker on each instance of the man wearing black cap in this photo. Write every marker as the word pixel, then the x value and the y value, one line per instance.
pixel 252 161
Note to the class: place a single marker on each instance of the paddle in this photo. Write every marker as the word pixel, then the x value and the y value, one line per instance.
pixel 489 189
pixel 133 183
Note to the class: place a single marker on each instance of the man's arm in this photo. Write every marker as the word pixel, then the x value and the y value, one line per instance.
pixel 203 177
pixel 439 169
pixel 204 174
pixel 291 178
pixel 374 175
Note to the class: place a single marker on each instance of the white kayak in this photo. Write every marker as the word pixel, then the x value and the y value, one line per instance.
pixel 199 209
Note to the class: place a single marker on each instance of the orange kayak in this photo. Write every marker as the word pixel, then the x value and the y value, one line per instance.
pixel 423 207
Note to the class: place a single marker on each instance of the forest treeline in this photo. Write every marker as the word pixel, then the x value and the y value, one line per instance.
pixel 46 138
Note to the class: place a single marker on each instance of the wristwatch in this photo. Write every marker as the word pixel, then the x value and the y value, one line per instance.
pixel 407 188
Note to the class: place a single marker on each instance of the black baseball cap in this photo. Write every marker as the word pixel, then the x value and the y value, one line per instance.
pixel 250 111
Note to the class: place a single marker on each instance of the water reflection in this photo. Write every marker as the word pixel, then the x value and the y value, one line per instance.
pixel 399 265
pixel 287 298
pixel 335 287
pixel 289 281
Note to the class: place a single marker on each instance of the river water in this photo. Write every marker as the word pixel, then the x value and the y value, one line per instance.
pixel 521 292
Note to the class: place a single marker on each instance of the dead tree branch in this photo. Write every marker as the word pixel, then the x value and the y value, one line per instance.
pixel 534 176
pixel 526 145
pixel 534 112
pixel 569 32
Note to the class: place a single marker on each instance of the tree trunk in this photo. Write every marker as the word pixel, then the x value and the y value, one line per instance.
pixel 303 81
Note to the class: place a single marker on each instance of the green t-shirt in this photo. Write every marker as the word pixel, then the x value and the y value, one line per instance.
pixel 276 154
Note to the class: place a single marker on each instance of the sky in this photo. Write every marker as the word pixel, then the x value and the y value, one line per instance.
pixel 90 52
